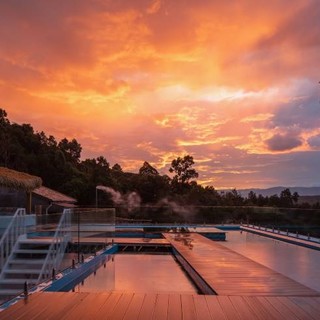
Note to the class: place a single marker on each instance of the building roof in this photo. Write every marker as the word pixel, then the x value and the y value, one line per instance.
pixel 18 180
pixel 53 195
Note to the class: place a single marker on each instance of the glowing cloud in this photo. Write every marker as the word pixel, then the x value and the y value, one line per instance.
pixel 232 83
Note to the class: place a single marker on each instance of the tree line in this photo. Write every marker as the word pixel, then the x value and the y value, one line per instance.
pixel 59 165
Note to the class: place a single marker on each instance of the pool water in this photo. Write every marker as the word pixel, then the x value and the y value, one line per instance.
pixel 296 262
pixel 140 273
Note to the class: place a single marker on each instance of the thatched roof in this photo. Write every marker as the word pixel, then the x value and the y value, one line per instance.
pixel 18 180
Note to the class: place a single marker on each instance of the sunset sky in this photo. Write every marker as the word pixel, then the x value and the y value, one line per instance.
pixel 233 83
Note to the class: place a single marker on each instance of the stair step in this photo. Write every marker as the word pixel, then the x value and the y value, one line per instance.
pixel 43 251
pixel 36 241
pixel 18 281
pixel 10 292
pixel 27 261
pixel 21 271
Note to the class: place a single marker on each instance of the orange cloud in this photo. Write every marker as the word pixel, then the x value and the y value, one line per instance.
pixel 153 80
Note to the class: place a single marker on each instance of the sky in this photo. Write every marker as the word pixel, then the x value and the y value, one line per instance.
pixel 233 83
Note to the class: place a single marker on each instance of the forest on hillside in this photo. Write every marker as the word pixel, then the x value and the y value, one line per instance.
pixel 147 194
pixel 61 168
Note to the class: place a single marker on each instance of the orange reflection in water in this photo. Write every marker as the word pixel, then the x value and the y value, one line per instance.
pixel 140 273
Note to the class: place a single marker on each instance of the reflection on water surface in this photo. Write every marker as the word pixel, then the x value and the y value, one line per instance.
pixel 298 263
pixel 140 273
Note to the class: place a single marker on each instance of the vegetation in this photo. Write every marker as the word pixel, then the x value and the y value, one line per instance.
pixel 60 167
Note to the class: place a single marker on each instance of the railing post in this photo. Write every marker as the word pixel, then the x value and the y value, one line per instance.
pixel 25 289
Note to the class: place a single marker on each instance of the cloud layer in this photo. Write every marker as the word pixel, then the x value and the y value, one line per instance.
pixel 235 84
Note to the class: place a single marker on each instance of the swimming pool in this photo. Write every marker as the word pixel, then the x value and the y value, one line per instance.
pixel 161 273
pixel 139 273
pixel 296 262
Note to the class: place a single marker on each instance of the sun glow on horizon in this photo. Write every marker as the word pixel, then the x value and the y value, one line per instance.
pixel 232 84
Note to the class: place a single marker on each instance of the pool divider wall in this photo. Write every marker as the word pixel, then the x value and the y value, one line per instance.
pixel 70 280
pixel 291 240
pixel 202 286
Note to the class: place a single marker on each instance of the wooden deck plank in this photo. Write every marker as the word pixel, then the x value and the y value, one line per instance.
pixel 35 304
pixel 230 273
pixel 244 309
pixel 109 305
pixel 77 311
pixel 148 306
pixel 161 307
pixel 70 301
pixel 135 306
pixel 174 307
pixel 215 308
pixel 260 310
pixel 93 311
pixel 282 308
pixel 228 309
pixel 75 306
pixel 271 310
pixel 315 302
pixel 307 306
pixel 121 307
pixel 138 241
pixel 188 308
pixel 14 310
pixel 201 307
pixel 300 314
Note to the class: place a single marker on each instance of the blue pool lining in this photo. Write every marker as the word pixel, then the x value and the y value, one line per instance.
pixel 70 280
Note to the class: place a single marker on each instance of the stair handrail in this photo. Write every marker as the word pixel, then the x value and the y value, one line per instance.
pixel 58 246
pixel 16 228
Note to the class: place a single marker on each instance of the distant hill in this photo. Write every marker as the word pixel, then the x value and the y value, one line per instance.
pixel 302 191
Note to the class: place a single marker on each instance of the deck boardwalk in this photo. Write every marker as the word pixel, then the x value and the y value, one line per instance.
pixel 231 274
pixel 131 241
pixel 71 305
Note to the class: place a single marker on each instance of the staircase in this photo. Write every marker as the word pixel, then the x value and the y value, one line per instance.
pixel 24 265
pixel 32 260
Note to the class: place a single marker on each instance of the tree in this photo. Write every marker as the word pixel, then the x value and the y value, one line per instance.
pixel 295 197
pixel 233 198
pixel 182 167
pixel 4 138
pixel 72 149
pixel 252 198
pixel 102 161
pixel 286 198
pixel 148 169
pixel 116 168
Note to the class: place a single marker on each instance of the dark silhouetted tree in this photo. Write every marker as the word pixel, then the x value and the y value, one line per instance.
pixel 148 169
pixel 182 167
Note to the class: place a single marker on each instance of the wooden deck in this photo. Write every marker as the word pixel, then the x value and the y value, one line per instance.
pixel 231 274
pixel 282 237
pixel 130 306
pixel 132 241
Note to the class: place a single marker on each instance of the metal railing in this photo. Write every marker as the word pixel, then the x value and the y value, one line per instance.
pixel 15 228
pixel 274 230
pixel 57 247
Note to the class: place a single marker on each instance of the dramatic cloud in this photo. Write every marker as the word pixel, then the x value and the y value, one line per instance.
pixel 314 141
pixel 283 142
pixel 233 83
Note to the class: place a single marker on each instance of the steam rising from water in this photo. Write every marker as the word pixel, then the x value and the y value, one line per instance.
pixel 131 200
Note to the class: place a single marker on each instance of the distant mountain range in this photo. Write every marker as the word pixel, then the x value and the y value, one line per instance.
pixel 302 191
